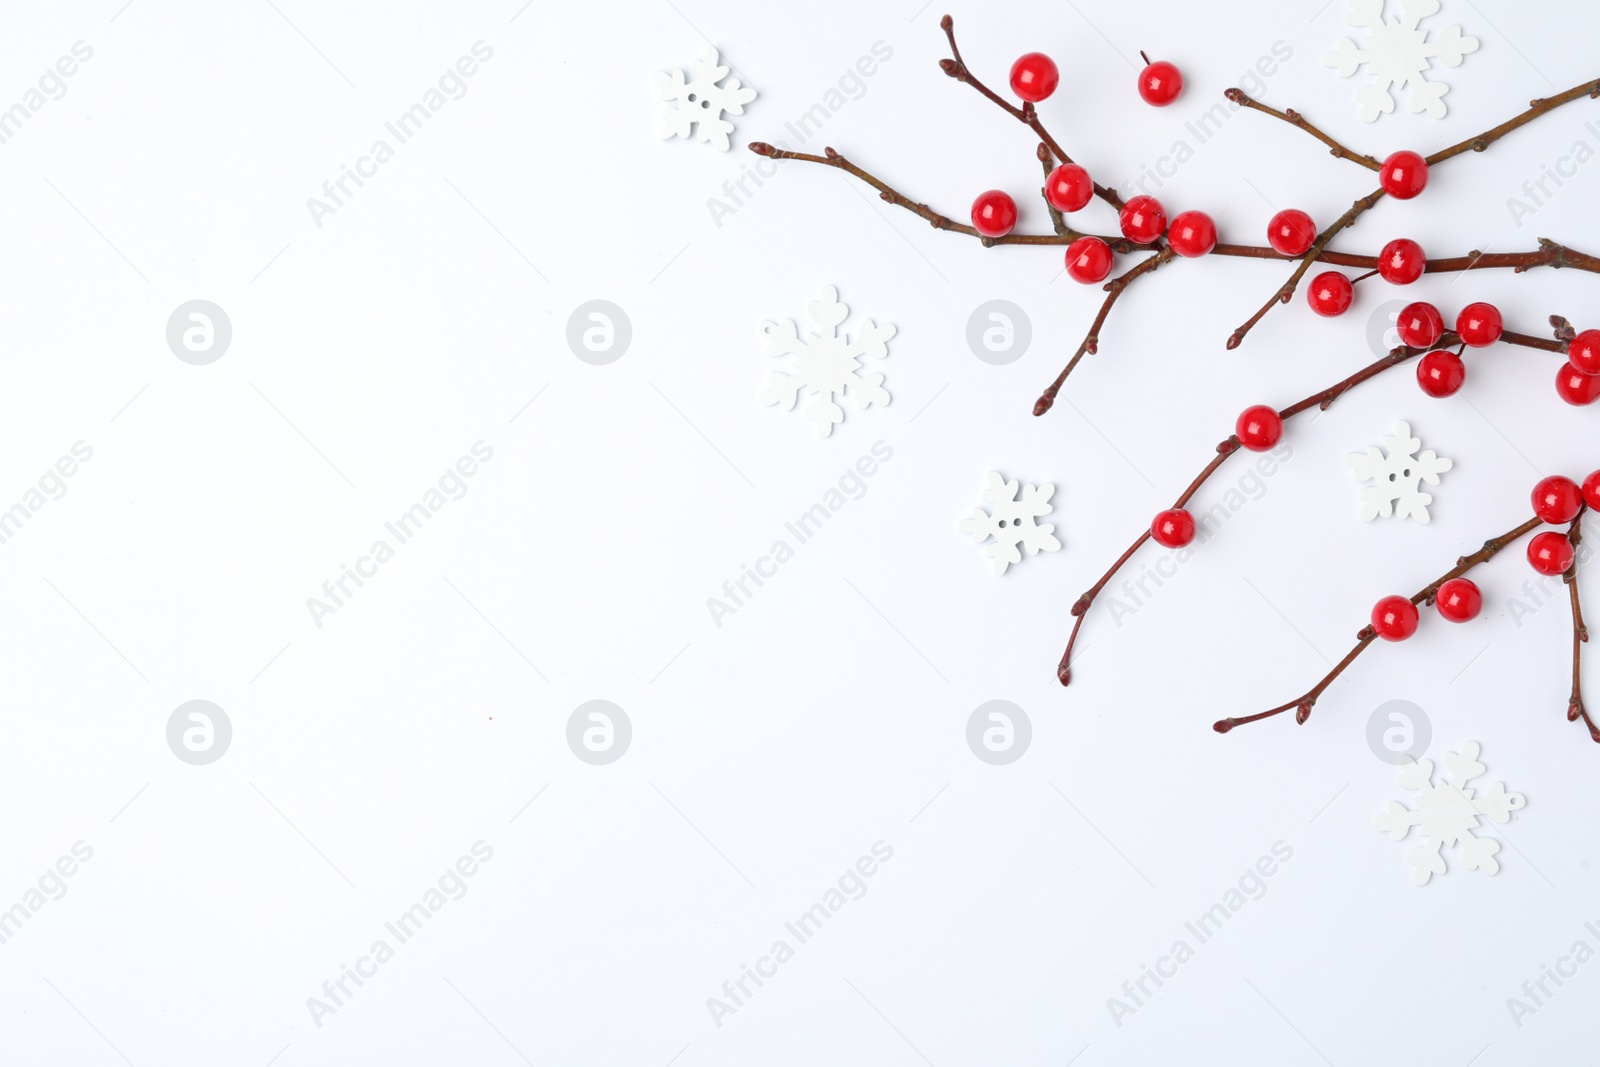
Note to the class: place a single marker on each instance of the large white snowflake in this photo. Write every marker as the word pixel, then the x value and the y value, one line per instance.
pixel 826 364
pixel 1011 524
pixel 1396 477
pixel 1448 813
pixel 700 101
pixel 1398 55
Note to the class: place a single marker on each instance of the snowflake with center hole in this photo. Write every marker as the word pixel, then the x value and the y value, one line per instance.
pixel 700 102
pixel 1398 55
pixel 826 364
pixel 1397 477
pixel 1448 813
pixel 1011 524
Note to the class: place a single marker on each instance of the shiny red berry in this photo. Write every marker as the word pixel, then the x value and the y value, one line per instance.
pixel 1259 428
pixel 1173 528
pixel 1089 260
pixel 1395 618
pixel 1192 233
pixel 1459 600
pixel 1143 219
pixel 1330 293
pixel 1584 352
pixel 1403 175
pixel 1291 232
pixel 1068 188
pixel 1557 499
pixel 1441 373
pixel 1577 388
pixel 1160 83
pixel 1420 325
pixel 1034 77
pixel 1401 262
pixel 994 213
pixel 1591 491
pixel 1479 324
pixel 1550 553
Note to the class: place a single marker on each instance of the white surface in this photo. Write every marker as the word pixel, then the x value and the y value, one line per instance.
pixel 608 503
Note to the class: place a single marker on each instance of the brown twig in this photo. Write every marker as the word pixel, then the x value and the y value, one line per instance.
pixel 1294 118
pixel 1322 399
pixel 1057 220
pixel 1303 704
pixel 1580 633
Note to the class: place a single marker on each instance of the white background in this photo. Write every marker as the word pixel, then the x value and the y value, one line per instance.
pixel 830 712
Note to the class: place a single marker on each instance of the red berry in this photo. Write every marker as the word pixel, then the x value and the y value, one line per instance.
pixel 1401 262
pixel 1576 387
pixel 1034 77
pixel 1459 600
pixel 1068 188
pixel 1330 293
pixel 1420 325
pixel 1089 260
pixel 994 213
pixel 1192 233
pixel 1591 490
pixel 1479 324
pixel 1584 352
pixel 1259 428
pixel 1395 618
pixel 1291 232
pixel 1173 528
pixel 1557 499
pixel 1160 83
pixel 1143 219
pixel 1403 175
pixel 1550 553
pixel 1441 373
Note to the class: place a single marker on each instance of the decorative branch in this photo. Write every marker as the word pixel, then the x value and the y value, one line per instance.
pixel 1303 704
pixel 1580 633
pixel 1294 118
pixel 1057 220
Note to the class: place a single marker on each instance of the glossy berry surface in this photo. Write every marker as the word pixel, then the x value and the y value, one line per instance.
pixel 1591 491
pixel 1459 600
pixel 1419 325
pixel 1160 83
pixel 1173 528
pixel 1479 324
pixel 1259 428
pixel 1068 188
pixel 1034 77
pixel 1577 388
pixel 1395 618
pixel 994 213
pixel 1401 262
pixel 1584 352
pixel 1441 374
pixel 1330 293
pixel 1291 232
pixel 1192 233
pixel 1550 553
pixel 1557 500
pixel 1143 219
pixel 1089 260
pixel 1403 175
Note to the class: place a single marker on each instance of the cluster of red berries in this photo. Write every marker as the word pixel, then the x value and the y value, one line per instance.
pixel 1069 188
pixel 1259 429
pixel 1556 500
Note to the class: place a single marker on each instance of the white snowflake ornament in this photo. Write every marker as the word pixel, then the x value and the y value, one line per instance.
pixel 701 102
pixel 1448 813
pixel 1398 55
pixel 1395 478
pixel 1011 524
pixel 826 364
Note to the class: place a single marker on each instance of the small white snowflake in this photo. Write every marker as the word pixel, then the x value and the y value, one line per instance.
pixel 700 101
pixel 1012 523
pixel 826 364
pixel 1398 55
pixel 1448 813
pixel 1396 477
